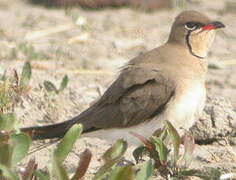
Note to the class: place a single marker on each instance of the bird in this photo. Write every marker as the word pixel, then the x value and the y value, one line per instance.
pixel 166 83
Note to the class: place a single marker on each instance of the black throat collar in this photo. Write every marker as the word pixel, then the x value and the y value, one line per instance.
pixel 190 47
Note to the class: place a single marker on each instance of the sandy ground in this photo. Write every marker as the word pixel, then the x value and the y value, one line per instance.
pixel 91 49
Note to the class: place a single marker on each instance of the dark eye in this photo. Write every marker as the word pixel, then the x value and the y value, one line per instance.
pixel 191 25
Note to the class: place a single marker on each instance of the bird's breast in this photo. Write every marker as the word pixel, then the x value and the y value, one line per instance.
pixel 186 105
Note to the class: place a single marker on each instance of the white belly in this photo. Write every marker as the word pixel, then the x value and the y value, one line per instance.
pixel 111 135
pixel 181 111
pixel 184 109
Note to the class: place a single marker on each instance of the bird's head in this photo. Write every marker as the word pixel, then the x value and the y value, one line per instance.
pixel 194 30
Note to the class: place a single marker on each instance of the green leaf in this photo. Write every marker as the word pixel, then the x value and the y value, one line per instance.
pixel 7 121
pixel 161 149
pixel 122 172
pixel 116 151
pixel 160 133
pixel 5 154
pixel 67 142
pixel 111 156
pixel 6 172
pixel 138 153
pixel 64 83
pixel 40 175
pixel 58 170
pixel 25 75
pixel 104 170
pixel 190 172
pixel 212 173
pixel 21 144
pixel 50 87
pixel 175 138
pixel 146 170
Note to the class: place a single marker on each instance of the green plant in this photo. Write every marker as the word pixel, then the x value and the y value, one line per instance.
pixel 168 161
pixel 13 87
pixel 64 147
pixel 51 88
pixel 114 169
pixel 14 147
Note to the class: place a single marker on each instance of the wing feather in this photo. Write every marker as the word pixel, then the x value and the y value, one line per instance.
pixel 136 96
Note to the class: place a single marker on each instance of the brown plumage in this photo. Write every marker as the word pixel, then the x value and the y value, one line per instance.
pixel 166 83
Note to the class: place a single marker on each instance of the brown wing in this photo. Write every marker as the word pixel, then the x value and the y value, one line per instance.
pixel 137 95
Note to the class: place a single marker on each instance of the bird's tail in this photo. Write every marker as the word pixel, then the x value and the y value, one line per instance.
pixel 58 130
pixel 86 118
pixel 48 131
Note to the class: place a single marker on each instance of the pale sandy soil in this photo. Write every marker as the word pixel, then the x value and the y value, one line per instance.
pixel 110 37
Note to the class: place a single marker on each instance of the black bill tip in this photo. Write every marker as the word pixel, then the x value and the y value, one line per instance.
pixel 218 24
